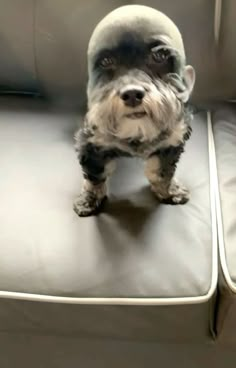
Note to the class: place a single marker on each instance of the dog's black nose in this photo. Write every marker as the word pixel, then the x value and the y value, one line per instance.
pixel 132 95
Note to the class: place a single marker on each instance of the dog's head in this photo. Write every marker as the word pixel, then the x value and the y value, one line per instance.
pixel 138 78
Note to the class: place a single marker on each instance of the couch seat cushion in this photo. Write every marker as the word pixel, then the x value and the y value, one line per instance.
pixel 136 265
pixel 224 128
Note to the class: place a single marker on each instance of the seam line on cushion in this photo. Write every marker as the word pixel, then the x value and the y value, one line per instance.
pixel 147 301
pixel 222 252
pixel 213 186
pixel 217 20
pixel 34 43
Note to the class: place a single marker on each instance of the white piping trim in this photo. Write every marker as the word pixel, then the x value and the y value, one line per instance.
pixel 147 301
pixel 217 20
pixel 213 182
pixel 221 240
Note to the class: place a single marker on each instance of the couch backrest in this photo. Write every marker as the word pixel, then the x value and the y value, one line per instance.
pixel 43 44
pixel 227 49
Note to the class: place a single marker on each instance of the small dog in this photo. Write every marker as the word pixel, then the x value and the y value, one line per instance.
pixel 138 89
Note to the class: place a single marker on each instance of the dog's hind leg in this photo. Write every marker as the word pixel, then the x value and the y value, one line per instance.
pixel 160 170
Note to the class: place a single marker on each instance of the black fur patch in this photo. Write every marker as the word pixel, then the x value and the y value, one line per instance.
pixel 169 158
pixel 93 158
pixel 133 53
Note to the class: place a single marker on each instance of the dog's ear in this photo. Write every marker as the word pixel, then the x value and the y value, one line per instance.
pixel 189 81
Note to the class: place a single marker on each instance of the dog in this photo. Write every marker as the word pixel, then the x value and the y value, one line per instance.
pixel 138 90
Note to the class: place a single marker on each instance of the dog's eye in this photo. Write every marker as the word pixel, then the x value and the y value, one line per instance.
pixel 107 62
pixel 160 56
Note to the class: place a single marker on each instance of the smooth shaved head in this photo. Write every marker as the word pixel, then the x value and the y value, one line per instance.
pixel 145 23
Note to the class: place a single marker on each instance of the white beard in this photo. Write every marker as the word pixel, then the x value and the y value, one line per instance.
pixel 112 125
pixel 141 128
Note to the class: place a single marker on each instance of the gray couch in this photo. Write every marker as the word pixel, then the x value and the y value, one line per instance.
pixel 142 284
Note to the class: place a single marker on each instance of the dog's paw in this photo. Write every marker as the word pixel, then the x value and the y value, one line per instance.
pixel 177 194
pixel 87 204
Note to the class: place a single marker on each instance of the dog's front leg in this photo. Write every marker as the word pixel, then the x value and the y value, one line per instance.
pixel 90 199
pixel 96 167
pixel 160 170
